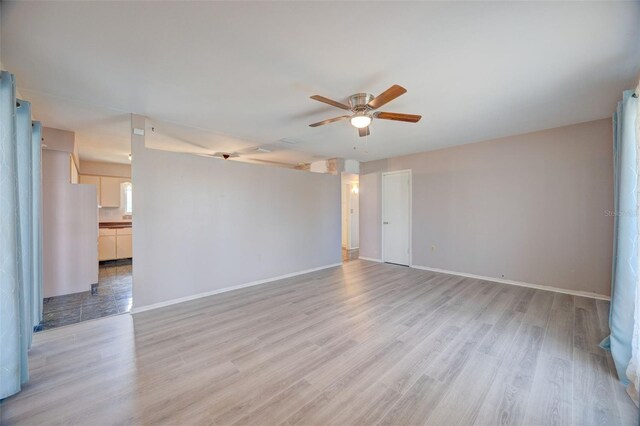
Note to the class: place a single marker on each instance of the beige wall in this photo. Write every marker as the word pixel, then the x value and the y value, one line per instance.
pixel 69 224
pixel 98 168
pixel 202 224
pixel 529 208
pixel 59 140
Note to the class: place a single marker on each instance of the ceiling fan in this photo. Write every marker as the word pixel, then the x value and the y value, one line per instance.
pixel 250 154
pixel 225 155
pixel 364 106
pixel 246 159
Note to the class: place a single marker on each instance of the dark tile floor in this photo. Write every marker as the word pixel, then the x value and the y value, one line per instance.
pixel 113 297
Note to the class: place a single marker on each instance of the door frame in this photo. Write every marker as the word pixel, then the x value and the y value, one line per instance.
pixel 346 200
pixel 350 215
pixel 395 172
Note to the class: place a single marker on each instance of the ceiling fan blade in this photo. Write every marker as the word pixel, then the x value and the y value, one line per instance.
pixel 273 163
pixel 364 131
pixel 396 116
pixel 330 102
pixel 331 120
pixel 387 96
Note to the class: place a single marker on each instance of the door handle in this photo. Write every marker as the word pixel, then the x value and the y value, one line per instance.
pixel 385 223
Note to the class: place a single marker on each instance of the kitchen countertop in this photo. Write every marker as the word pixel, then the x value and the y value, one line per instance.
pixel 114 225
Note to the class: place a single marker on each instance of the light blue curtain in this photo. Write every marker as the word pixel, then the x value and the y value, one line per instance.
pixel 13 353
pixel 25 213
pixel 36 189
pixel 625 247
pixel 20 247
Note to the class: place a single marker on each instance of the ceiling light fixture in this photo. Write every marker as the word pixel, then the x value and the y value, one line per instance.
pixel 364 107
pixel 360 120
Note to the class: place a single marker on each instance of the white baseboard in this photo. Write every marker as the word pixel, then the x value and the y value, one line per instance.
pixel 136 310
pixel 293 274
pixel 370 259
pixel 518 283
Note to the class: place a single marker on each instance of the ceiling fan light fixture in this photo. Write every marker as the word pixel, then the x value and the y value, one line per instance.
pixel 364 107
pixel 360 121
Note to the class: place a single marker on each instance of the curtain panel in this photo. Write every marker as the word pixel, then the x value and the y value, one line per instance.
pixel 624 281
pixel 633 370
pixel 21 236
pixel 25 213
pixel 36 221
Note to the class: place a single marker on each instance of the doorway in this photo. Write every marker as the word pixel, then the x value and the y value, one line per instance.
pixel 88 271
pixel 396 217
pixel 350 217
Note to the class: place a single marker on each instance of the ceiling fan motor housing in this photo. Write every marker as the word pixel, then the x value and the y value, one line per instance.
pixel 359 101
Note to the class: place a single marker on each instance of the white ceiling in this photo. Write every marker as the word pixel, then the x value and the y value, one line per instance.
pixel 235 76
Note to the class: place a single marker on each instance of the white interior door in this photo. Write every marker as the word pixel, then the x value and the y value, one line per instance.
pixel 396 208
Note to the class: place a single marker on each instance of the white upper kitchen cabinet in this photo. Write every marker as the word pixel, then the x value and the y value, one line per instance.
pixel 110 191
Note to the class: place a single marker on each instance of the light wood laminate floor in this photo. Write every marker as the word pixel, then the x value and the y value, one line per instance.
pixel 364 343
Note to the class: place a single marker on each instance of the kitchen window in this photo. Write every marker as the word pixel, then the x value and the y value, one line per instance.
pixel 128 198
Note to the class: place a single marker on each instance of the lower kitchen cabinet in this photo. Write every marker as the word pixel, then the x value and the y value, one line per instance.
pixel 124 246
pixel 114 244
pixel 107 247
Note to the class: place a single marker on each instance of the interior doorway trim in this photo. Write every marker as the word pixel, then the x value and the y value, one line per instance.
pixel 382 195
